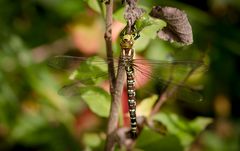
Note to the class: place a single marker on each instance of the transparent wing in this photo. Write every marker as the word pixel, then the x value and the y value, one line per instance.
pixel 171 73
pixel 73 89
pixel 84 72
pixel 83 67
pixel 72 62
pixel 91 70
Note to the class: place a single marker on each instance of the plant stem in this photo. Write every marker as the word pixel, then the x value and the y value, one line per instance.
pixel 115 84
pixel 108 41
pixel 114 111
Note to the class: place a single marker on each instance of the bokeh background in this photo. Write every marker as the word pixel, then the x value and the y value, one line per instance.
pixel 34 117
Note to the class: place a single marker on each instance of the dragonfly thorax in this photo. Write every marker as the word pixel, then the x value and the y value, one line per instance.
pixel 128 53
pixel 127 57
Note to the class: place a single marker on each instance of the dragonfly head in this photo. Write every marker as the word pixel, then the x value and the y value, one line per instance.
pixel 127 42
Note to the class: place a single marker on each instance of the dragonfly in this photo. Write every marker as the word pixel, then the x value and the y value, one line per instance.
pixel 89 70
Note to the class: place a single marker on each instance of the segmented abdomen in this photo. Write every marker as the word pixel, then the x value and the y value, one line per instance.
pixel 131 99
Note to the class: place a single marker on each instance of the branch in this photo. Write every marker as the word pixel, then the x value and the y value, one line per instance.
pixel 108 41
pixel 115 85
pixel 114 111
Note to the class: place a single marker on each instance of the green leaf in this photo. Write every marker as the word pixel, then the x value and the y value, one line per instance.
pixel 98 100
pixel 145 107
pixel 156 142
pixel 141 43
pixel 91 139
pixel 118 15
pixel 94 4
pixel 92 71
pixel 159 50
pixel 149 25
pixel 148 28
pixel 183 129
pixel 200 123
pixel 145 21
pixel 151 30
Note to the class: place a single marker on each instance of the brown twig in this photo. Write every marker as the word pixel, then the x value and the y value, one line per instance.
pixel 114 111
pixel 115 84
pixel 108 41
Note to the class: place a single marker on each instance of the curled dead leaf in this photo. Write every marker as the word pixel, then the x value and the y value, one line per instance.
pixel 133 13
pixel 178 27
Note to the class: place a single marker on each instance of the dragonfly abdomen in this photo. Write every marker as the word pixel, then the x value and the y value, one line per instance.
pixel 131 99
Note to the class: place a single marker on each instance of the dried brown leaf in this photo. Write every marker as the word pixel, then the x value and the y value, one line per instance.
pixel 133 13
pixel 178 27
pixel 130 2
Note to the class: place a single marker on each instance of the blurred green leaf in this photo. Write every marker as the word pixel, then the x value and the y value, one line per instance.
pixel 159 50
pixel 98 100
pixel 118 15
pixel 145 107
pixel 92 71
pixel 200 123
pixel 155 141
pixel 91 139
pixel 149 26
pixel 183 129
pixel 94 4
pixel 143 22
pixel 148 31
pixel 141 43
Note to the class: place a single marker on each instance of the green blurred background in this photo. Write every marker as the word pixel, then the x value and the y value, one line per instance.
pixel 33 117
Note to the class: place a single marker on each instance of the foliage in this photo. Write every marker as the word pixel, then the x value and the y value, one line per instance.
pixel 33 116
